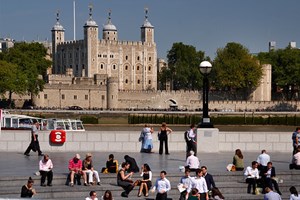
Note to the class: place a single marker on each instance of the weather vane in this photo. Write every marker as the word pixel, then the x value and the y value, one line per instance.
pixel 91 9
pixel 146 12
pixel 57 15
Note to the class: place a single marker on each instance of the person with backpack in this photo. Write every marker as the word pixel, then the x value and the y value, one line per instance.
pixel 190 138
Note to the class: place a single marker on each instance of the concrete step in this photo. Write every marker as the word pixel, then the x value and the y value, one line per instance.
pixel 234 188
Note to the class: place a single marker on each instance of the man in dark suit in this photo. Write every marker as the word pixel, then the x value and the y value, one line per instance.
pixel 268 176
pixel 208 178
pixel 133 166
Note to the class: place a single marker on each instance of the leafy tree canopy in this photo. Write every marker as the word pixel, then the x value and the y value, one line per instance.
pixel 183 67
pixel 234 68
pixel 30 62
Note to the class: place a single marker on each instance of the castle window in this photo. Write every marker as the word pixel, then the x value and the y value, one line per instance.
pixel 138 58
pixel 126 67
pixel 126 81
pixel 103 97
pixel 138 81
pixel 62 96
pixel 126 57
pixel 149 68
pixel 101 66
pixel 108 38
pixel 75 97
pixel 108 33
pixel 104 56
pixel 149 58
pixel 138 68
pixel 70 55
pixel 64 55
pixel 45 96
pixel 149 82
pixel 86 97
pixel 114 66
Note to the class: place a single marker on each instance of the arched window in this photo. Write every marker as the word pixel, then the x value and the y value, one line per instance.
pixel 126 81
pixel 138 81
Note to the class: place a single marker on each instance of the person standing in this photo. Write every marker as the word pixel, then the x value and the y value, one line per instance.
pixel 186 182
pixel 162 185
pixel 295 139
pixel 270 195
pixel 199 182
pixel 190 139
pixel 27 190
pixel 34 144
pixel 263 160
pixel 147 143
pixel 163 138
pixel 46 167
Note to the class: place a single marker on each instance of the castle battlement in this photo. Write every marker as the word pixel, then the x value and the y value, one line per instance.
pixel 73 42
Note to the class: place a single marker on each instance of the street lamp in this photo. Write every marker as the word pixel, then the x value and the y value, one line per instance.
pixel 205 68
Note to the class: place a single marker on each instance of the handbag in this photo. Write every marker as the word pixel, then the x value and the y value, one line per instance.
pixel 158 135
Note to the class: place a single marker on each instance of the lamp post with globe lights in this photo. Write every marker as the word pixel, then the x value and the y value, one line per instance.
pixel 205 69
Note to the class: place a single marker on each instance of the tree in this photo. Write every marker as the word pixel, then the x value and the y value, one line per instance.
pixel 30 59
pixel 183 67
pixel 12 80
pixel 234 69
pixel 285 69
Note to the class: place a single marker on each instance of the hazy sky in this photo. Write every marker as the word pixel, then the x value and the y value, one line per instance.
pixel 207 25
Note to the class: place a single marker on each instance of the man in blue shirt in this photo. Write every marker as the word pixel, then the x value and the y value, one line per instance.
pixel 162 185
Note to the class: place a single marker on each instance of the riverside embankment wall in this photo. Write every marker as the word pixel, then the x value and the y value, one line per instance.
pixel 209 140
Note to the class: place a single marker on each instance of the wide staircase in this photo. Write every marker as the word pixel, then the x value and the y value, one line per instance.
pixel 231 184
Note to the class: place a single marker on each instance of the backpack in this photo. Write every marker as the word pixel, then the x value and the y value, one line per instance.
pixel 186 136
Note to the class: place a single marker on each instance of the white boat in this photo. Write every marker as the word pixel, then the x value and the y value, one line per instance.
pixel 24 122
pixel 62 124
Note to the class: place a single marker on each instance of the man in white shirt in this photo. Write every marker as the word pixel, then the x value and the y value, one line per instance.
pixel 162 185
pixel 263 160
pixel 93 196
pixel 251 174
pixel 199 183
pixel 192 162
pixel 45 167
pixel 191 144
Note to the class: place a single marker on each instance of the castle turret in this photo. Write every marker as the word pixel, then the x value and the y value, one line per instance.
pixel 58 36
pixel 112 92
pixel 91 46
pixel 110 30
pixel 147 30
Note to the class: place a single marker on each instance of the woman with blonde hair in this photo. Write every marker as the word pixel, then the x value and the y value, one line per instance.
pixel 163 138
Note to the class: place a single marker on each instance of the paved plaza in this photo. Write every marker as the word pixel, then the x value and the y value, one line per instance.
pixel 16 164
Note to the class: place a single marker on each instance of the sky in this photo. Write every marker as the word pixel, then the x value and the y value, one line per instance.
pixel 204 24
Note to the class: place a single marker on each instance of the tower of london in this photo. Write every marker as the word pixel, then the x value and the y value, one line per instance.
pixel 133 64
